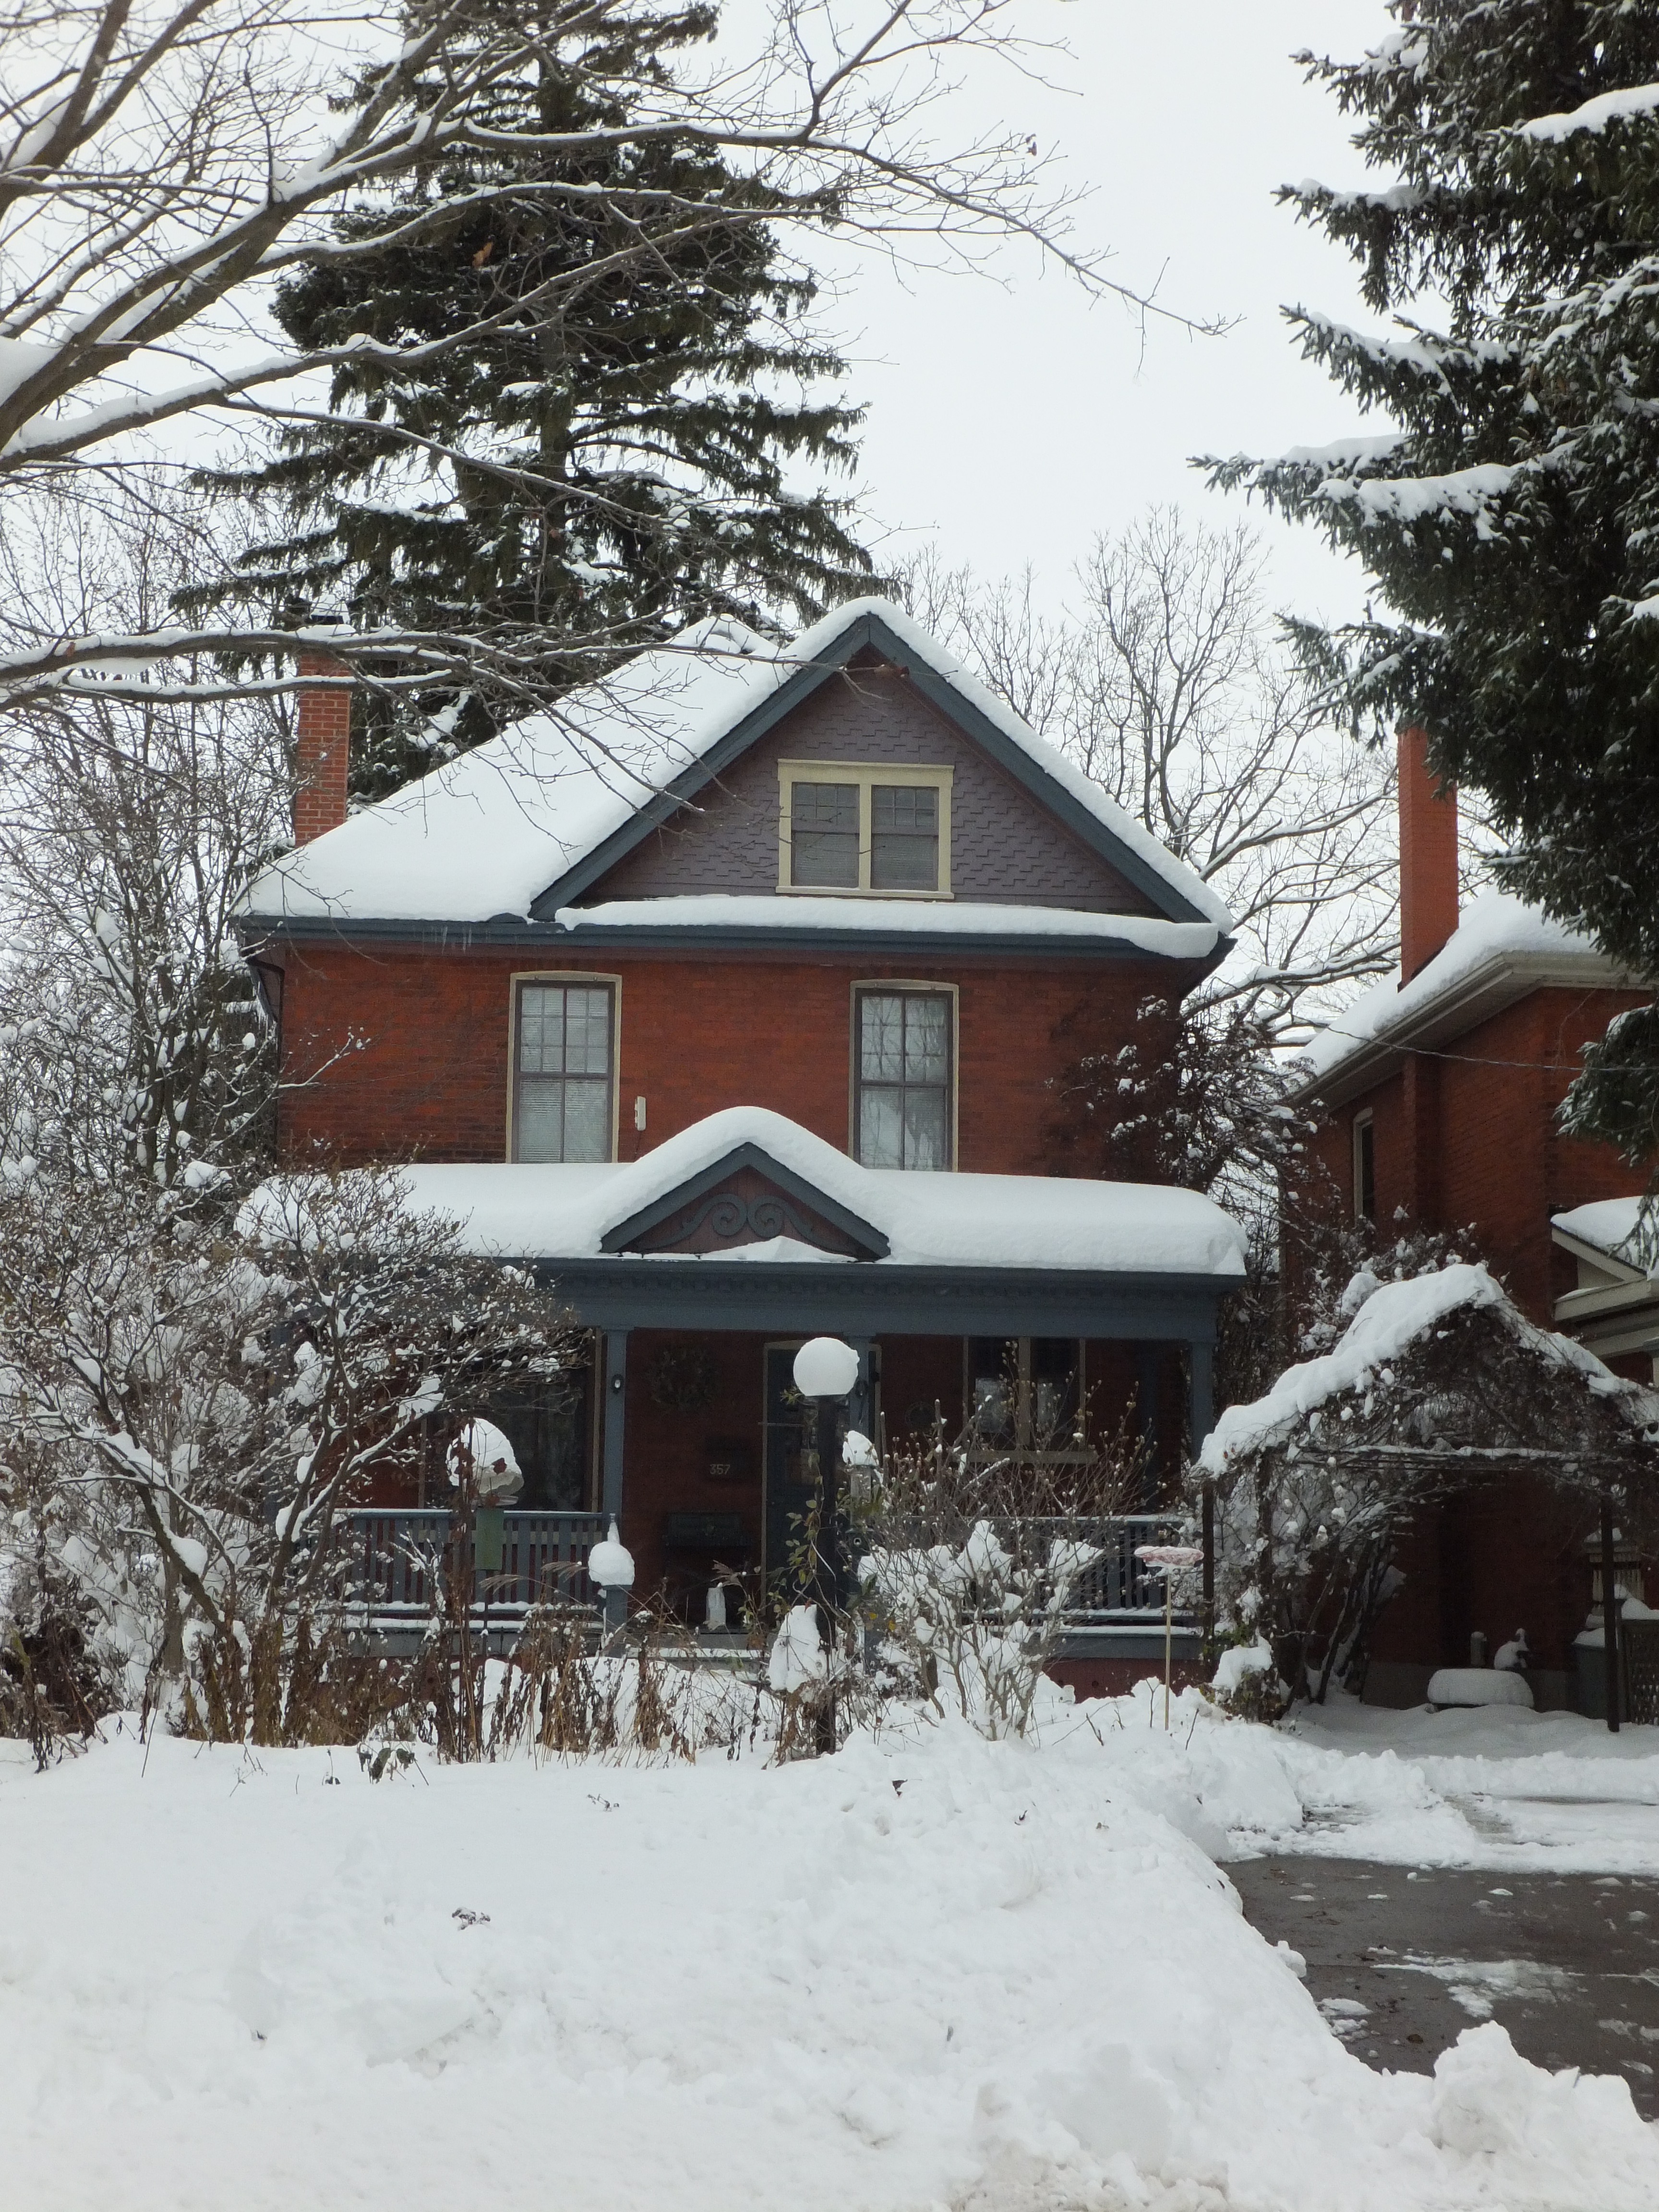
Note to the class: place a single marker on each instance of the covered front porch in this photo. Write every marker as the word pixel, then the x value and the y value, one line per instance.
pixel 1036 1317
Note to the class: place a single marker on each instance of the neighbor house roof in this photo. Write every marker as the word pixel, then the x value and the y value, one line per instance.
pixel 520 829
pixel 1501 949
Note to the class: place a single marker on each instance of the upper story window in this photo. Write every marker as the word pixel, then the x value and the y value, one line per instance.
pixel 1365 1168
pixel 563 1077
pixel 903 1050
pixel 883 831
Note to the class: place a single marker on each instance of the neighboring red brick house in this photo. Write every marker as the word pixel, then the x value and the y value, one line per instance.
pixel 755 960
pixel 1440 1086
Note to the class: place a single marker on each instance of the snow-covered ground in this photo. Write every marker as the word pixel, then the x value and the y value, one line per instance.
pixel 932 1972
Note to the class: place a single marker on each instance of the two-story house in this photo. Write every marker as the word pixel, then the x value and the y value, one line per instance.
pixel 729 994
pixel 1439 1089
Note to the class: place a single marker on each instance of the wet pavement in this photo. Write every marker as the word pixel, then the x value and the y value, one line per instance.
pixel 1401 1960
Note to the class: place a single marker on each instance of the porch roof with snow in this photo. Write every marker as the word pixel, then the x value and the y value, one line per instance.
pixel 503 843
pixel 745 1220
pixel 1501 949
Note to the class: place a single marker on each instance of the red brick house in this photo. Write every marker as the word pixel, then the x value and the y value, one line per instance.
pixel 1440 1087
pixel 730 997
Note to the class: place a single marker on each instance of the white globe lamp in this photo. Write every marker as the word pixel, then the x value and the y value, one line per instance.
pixel 825 1368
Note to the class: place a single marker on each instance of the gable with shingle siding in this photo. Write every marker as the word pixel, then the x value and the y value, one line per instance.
pixel 1005 848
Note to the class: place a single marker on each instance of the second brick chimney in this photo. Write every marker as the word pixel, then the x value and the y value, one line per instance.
pixel 1428 855
pixel 322 747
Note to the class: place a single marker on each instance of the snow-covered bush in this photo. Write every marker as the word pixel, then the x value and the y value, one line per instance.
pixel 969 1557
pixel 187 1407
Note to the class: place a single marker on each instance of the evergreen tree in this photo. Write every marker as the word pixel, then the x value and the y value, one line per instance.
pixel 1512 520
pixel 592 477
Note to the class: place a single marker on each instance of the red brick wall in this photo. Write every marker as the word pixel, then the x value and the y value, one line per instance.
pixel 1470 1138
pixel 406 1050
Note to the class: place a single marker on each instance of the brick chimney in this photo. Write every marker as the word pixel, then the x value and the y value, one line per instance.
pixel 1428 855
pixel 321 748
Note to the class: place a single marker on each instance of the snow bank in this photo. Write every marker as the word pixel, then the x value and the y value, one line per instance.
pixel 932 1972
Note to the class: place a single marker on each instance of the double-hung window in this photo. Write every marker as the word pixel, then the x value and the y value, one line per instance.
pixel 883 831
pixel 902 1104
pixel 563 1077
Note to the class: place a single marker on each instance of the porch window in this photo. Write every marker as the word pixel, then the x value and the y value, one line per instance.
pixel 563 1081
pixel 846 827
pixel 1365 1168
pixel 903 1109
pixel 1024 1393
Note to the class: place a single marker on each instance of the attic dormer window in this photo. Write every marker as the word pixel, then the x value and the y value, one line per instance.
pixel 849 827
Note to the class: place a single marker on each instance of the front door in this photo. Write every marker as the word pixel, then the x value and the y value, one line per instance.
pixel 791 1460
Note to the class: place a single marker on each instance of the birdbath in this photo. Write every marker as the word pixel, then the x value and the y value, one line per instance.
pixel 1173 1558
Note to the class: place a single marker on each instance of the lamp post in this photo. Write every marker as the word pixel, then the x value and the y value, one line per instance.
pixel 610 1570
pixel 826 1370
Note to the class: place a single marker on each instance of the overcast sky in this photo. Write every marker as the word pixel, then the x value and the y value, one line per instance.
pixel 1010 421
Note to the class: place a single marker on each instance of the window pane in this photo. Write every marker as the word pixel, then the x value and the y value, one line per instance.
pixel 881 1040
pixel 564 1087
pixel 924 1129
pixel 881 1128
pixel 927 1040
pixel 541 1120
pixel 587 1121
pixel 903 837
pixel 824 835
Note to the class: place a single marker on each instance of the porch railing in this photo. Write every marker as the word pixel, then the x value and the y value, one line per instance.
pixel 1118 1588
pixel 393 1560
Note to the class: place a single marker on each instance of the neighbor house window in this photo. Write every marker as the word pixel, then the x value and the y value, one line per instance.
pixel 902 1108
pixel 883 831
pixel 562 1075
pixel 1365 1168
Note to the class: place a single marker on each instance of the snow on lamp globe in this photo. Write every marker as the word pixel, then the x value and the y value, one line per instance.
pixel 610 1568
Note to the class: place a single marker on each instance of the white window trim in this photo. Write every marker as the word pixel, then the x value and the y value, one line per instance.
pixel 866 774
pixel 560 976
pixel 1362 1122
pixel 904 983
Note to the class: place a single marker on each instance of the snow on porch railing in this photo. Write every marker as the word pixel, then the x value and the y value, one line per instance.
pixel 393 1561
pixel 1117 1587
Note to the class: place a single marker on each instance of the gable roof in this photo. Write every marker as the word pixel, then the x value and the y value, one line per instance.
pixel 519 829
pixel 1501 950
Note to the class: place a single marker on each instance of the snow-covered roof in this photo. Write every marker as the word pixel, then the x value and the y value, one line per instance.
pixel 1501 948
pixel 487 833
pixel 512 1210
pixel 1607 1225
pixel 733 912
pixel 1393 1316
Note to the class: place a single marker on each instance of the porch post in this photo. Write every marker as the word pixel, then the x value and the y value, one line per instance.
pixel 611 1495
pixel 1146 1380
pixel 1200 1420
